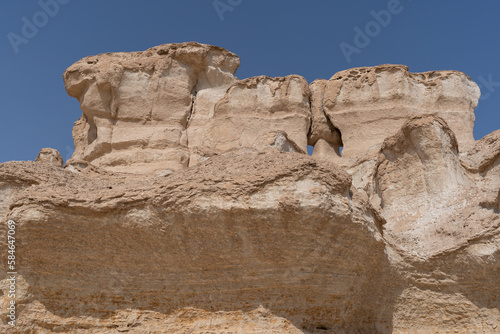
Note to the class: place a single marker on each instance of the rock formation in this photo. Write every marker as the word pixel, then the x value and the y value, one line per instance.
pixel 191 205
pixel 137 106
pixel 368 104
pixel 50 156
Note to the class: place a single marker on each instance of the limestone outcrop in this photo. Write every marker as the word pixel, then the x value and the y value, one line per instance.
pixel 136 106
pixel 259 235
pixel 368 104
pixel 172 106
pixel 50 156
pixel 251 113
pixel 191 205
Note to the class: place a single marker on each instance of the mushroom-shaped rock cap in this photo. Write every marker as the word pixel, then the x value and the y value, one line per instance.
pixel 136 106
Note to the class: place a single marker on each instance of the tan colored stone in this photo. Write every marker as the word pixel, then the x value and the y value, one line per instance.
pixel 136 106
pixel 248 112
pixel 190 205
pixel 421 182
pixel 484 160
pixel 178 104
pixel 229 235
pixel 446 227
pixel 323 136
pixel 50 156
pixel 368 104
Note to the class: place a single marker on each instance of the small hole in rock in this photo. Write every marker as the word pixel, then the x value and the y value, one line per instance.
pixel 310 149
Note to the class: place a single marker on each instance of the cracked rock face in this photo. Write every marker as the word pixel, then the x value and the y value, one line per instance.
pixel 191 205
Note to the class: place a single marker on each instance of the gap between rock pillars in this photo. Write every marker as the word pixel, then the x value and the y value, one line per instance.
pixel 329 146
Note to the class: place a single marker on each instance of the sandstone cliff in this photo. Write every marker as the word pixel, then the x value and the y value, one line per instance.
pixel 190 204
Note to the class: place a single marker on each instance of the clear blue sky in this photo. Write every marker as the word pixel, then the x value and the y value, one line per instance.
pixel 275 38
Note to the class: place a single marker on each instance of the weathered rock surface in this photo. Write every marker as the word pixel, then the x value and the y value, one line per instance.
pixel 278 231
pixel 50 156
pixel 191 206
pixel 136 106
pixel 323 136
pixel 370 103
pixel 446 224
pixel 176 105
pixel 249 114
pixel 484 160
